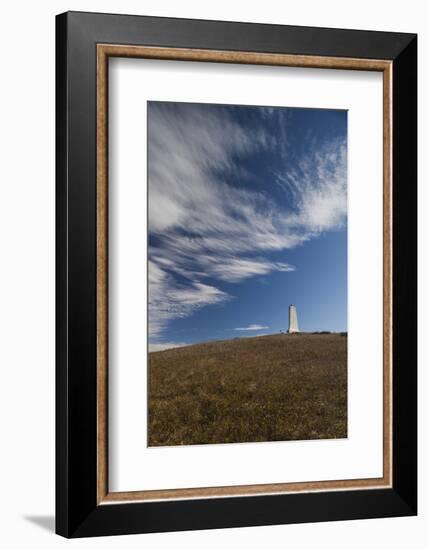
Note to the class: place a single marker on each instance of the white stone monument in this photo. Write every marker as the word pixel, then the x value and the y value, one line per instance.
pixel 293 326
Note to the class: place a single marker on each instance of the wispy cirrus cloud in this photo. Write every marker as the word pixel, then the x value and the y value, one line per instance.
pixel 207 225
pixel 169 299
pixel 318 186
pixel 252 328
pixel 233 270
pixel 165 346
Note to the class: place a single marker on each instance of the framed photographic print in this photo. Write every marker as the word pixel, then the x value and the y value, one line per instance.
pixel 236 274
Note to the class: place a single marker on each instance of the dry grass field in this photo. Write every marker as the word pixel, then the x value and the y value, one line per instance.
pixel 268 388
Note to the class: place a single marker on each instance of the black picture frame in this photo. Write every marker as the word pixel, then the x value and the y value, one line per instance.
pixel 77 511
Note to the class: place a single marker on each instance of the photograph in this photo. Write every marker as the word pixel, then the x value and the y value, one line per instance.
pixel 247 273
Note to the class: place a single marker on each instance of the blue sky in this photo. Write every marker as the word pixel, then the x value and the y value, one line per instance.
pixel 247 214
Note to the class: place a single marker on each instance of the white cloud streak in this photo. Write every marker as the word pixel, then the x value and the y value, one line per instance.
pixel 318 186
pixel 165 345
pixel 169 299
pixel 252 327
pixel 206 227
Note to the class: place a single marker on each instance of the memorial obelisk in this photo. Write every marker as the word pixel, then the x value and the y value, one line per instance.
pixel 293 325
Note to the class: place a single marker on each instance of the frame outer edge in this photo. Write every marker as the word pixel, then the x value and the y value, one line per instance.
pixel 265 37
pixel 405 274
pixel 61 268
pixel 77 513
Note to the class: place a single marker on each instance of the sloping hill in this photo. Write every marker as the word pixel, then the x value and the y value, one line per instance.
pixel 267 388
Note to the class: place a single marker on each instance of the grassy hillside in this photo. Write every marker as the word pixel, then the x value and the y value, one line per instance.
pixel 268 388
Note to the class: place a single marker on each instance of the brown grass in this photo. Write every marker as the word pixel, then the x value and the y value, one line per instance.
pixel 268 388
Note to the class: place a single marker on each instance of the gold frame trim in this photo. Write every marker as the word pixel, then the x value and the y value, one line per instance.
pixel 104 51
